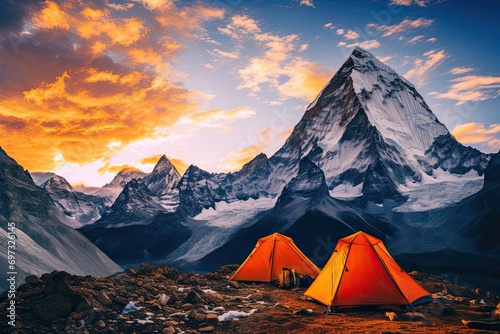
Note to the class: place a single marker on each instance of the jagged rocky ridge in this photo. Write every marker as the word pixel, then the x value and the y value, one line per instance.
pixel 79 208
pixel 43 240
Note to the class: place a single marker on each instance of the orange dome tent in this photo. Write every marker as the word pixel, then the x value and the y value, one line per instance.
pixel 270 255
pixel 362 272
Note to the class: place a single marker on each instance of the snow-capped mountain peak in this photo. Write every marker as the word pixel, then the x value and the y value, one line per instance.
pixel 163 178
pixel 370 128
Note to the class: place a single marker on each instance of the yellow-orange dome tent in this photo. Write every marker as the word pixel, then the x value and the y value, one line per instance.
pixel 362 272
pixel 270 255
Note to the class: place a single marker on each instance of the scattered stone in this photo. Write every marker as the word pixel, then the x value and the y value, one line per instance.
pixel 304 312
pixel 207 329
pixel 168 330
pixel 100 324
pixel 414 316
pixel 103 298
pixel 187 306
pixel 214 298
pixel 234 284
pixel 496 313
pixel 193 298
pixel 195 315
pixel 391 316
pixel 212 318
pixel 131 271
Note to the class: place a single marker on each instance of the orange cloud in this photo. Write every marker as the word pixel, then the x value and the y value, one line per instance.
pixel 156 4
pixel 180 165
pixel 276 68
pixel 188 19
pixel 474 133
pixel 240 26
pixel 107 168
pixel 423 66
pixel 104 85
pixel 51 17
pixel 123 31
pixel 237 158
pixel 151 160
pixel 460 70
pixel 307 80
pixel 472 88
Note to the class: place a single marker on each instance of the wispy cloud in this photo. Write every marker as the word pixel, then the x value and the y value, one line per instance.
pixel 308 3
pixel 240 26
pixel 278 66
pixel 402 27
pixel 460 70
pixel 368 44
pixel 422 66
pixel 328 26
pixel 351 34
pixel 409 3
pixel 237 158
pixel 219 118
pixel 415 39
pixel 225 54
pixel 475 133
pixel 472 88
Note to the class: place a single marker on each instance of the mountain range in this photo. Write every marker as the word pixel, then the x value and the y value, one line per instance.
pixel 368 154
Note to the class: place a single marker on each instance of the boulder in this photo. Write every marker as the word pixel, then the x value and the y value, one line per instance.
pixel 53 307
pixel 32 279
pixel 193 298
pixel 103 298
pixel 206 329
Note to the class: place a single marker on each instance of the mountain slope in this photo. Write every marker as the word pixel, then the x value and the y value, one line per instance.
pixel 305 212
pixel 141 223
pixel 43 242
pixel 80 208
pixel 481 213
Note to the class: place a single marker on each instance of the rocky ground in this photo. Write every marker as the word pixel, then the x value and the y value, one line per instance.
pixel 162 300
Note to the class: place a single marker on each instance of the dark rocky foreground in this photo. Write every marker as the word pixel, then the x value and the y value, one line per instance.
pixel 170 302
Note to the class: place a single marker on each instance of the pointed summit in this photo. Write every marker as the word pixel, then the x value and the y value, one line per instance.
pixel 163 178
pixel 163 164
pixel 371 130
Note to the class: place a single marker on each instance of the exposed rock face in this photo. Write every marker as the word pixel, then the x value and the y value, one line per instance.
pixel 43 241
pixel 81 209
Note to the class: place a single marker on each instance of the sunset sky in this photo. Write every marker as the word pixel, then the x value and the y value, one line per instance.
pixel 90 87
